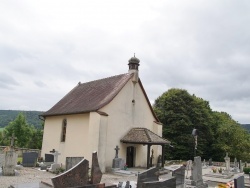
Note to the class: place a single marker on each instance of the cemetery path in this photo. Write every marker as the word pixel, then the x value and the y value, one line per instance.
pixel 25 175
pixel 33 175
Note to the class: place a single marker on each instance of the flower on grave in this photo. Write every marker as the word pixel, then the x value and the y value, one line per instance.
pixel 125 167
pixel 220 170
pixel 214 170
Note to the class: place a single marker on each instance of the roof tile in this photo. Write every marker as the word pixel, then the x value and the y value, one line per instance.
pixel 143 136
pixel 89 96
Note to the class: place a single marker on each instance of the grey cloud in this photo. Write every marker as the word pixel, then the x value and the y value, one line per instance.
pixel 7 81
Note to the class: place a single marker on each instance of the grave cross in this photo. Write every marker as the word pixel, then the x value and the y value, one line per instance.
pixel 55 153
pixel 116 151
pixel 12 140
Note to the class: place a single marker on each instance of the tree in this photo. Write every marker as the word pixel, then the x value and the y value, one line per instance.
pixel 231 138
pixel 218 133
pixel 3 140
pixel 180 112
pixel 26 135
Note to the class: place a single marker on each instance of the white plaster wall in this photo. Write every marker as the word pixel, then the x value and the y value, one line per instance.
pixel 124 115
pixel 77 137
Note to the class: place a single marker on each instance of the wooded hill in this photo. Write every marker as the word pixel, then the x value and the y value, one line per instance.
pixel 32 117
pixel 246 126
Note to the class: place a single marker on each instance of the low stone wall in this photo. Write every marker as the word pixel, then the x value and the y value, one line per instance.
pixel 20 151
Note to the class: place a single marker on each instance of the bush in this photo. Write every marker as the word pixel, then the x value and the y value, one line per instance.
pixel 246 170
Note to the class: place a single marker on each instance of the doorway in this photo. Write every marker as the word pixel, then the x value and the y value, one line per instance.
pixel 130 159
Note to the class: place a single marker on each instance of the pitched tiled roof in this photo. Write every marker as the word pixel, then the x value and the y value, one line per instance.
pixel 143 136
pixel 89 96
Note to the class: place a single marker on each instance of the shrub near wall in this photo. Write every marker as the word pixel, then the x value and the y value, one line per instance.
pixel 246 170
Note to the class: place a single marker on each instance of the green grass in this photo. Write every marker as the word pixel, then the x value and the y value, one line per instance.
pixel 20 159
pixel 1 128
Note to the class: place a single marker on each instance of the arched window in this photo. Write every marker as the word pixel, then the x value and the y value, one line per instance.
pixel 64 127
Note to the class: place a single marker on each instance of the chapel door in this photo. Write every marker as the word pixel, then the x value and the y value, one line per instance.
pixel 130 160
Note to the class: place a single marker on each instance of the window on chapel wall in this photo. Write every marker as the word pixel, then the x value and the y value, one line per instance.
pixel 64 127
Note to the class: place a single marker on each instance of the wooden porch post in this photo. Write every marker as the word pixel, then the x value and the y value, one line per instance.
pixel 162 155
pixel 148 156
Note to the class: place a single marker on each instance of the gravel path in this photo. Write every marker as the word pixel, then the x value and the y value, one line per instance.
pixel 25 175
pixel 32 175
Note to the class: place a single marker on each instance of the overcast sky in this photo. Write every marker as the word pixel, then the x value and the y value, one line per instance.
pixel 47 47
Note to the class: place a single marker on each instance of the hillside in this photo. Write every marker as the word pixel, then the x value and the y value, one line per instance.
pixel 246 126
pixel 6 116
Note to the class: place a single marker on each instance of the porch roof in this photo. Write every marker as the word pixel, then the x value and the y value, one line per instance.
pixel 140 135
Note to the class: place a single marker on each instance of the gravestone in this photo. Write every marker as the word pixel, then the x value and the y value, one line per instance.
pixel 30 159
pixel 54 167
pixel 159 161
pixel 239 182
pixel 72 161
pixel 197 174
pixel 117 162
pixel 168 183
pixel 49 158
pixel 2 160
pixel 236 169
pixel 55 153
pixel 210 162
pixel 10 159
pixel 240 166
pixel 149 175
pixel 227 160
pixel 96 174
pixel 189 167
pixel 76 176
pixel 179 174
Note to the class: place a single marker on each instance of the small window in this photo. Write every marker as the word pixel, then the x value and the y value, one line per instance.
pixel 64 127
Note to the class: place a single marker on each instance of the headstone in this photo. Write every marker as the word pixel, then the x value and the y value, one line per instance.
pixel 72 161
pixel 54 167
pixel 239 182
pixel 43 167
pixel 159 161
pixel 96 174
pixel 197 174
pixel 120 184
pixel 189 167
pixel 236 168
pixel 179 174
pixel 168 183
pixel 30 159
pixel 10 159
pixel 55 153
pixel 10 163
pixel 227 160
pixel 210 162
pixel 76 176
pixel 147 176
pixel 2 160
pixel 49 158
pixel 127 184
pixel 241 166
pixel 117 162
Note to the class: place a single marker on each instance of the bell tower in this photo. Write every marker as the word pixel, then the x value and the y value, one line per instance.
pixel 133 67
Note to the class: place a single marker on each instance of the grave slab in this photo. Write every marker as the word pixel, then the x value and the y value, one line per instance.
pixel 31 185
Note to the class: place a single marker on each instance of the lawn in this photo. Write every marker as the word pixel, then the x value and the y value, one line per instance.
pixel 1 128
